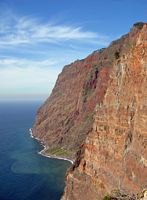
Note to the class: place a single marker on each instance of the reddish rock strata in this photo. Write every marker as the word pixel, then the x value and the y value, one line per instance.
pixel 97 113
pixel 114 155
pixel 66 117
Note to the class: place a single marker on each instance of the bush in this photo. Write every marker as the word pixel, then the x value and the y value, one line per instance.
pixel 107 198
pixel 139 25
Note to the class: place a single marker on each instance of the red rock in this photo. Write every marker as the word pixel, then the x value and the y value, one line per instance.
pixel 114 155
pixel 97 113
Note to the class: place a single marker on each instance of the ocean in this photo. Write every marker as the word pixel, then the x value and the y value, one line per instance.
pixel 25 174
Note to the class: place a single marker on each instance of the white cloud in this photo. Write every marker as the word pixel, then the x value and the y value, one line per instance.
pixel 24 63
pixel 26 30
pixel 33 78
pixel 31 39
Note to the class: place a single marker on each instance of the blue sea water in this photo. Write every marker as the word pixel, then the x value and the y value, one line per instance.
pixel 24 174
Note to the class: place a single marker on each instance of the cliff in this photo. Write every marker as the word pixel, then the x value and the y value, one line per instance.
pixel 114 155
pixel 66 117
pixel 96 114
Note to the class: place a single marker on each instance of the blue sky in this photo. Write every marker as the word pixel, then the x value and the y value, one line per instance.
pixel 39 37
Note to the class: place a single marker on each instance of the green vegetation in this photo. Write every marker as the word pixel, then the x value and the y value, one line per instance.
pixel 57 151
pixel 90 84
pixel 107 198
pixel 69 108
pixel 101 50
pixel 87 122
pixel 139 25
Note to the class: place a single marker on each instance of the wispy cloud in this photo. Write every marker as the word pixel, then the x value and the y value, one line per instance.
pixel 33 52
pixel 25 63
pixel 27 30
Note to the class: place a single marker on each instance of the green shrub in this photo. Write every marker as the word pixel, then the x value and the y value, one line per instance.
pixel 107 198
pixel 139 25
pixel 101 50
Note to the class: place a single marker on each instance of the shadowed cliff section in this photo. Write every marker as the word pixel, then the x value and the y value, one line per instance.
pixel 114 155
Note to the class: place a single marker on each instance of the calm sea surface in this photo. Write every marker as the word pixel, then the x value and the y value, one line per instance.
pixel 24 174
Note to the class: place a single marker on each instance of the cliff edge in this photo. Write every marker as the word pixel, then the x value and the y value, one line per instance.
pixel 97 116
pixel 114 155
pixel 66 118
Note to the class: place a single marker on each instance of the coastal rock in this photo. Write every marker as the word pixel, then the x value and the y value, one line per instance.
pixel 114 155
pixel 66 118
pixel 97 115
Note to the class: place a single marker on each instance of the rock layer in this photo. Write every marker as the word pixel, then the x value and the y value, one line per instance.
pixel 97 114
pixel 66 118
pixel 114 155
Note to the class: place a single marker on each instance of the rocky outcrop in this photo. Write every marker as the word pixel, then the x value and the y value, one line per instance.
pixel 114 155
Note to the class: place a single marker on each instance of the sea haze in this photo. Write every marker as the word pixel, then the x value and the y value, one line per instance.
pixel 24 174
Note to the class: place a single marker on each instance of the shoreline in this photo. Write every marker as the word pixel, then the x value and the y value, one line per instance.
pixel 44 148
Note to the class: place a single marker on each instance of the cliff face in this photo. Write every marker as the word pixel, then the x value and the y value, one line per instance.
pixel 114 155
pixel 66 118
pixel 97 114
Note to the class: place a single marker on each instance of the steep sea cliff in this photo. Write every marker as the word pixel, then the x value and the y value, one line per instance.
pixel 97 115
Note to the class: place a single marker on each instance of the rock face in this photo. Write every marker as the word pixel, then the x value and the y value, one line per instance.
pixel 97 113
pixel 114 155
pixel 66 118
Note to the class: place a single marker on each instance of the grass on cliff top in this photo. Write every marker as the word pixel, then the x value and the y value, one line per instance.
pixel 139 25
pixel 57 151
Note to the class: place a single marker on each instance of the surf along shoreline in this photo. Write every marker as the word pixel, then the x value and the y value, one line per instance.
pixel 42 152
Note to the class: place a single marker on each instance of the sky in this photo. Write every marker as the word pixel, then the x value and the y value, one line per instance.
pixel 39 37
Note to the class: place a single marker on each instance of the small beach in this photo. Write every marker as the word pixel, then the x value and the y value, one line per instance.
pixel 42 152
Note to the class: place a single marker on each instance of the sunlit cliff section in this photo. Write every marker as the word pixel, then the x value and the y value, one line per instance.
pixel 114 154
